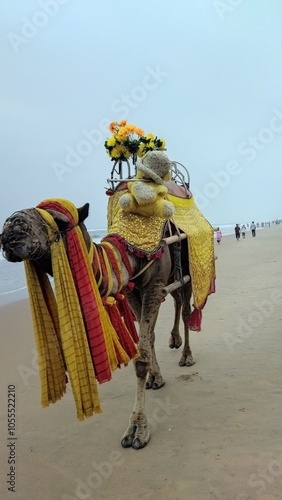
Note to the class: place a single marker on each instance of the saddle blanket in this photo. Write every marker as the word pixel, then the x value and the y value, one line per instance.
pixel 145 233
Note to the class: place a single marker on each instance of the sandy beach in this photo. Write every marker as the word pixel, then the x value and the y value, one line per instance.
pixel 216 426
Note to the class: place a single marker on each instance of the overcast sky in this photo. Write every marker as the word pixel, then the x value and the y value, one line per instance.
pixel 204 75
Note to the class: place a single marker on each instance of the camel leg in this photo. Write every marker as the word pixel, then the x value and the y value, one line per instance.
pixel 175 339
pixel 155 380
pixel 186 357
pixel 137 434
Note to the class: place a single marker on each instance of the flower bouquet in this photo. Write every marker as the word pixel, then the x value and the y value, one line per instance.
pixel 127 141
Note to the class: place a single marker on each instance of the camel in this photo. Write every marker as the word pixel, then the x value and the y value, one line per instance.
pixel 25 237
pixel 145 277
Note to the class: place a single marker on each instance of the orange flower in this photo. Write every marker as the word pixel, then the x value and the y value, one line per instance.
pixel 130 128
pixel 112 127
pixel 139 131
pixel 122 123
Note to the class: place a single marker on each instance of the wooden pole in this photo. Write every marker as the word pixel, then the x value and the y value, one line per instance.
pixel 173 286
pixel 173 239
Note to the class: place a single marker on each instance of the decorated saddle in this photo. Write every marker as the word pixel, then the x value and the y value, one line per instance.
pixel 143 235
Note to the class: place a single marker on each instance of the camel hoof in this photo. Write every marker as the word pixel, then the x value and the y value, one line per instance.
pixel 186 361
pixel 171 343
pixel 175 343
pixel 126 442
pixel 154 384
pixel 137 435
pixel 157 386
pixel 138 445
pixel 150 381
pixel 189 361
pixel 128 437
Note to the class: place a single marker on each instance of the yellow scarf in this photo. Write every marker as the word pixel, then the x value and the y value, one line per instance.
pixel 59 329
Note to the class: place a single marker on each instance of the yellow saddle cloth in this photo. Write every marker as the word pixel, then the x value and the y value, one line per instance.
pixel 145 233
pixel 200 240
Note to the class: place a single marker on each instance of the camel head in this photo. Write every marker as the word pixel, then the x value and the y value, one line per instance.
pixel 25 235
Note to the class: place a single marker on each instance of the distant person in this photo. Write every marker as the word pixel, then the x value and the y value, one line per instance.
pixel 253 229
pixel 243 231
pixel 237 232
pixel 218 235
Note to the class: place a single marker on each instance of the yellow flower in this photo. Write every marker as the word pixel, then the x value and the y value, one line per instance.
pixel 149 136
pixel 125 152
pixel 141 149
pixel 162 147
pixel 116 152
pixel 111 141
pixel 121 137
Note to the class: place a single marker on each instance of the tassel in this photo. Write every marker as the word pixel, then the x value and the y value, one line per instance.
pixel 195 320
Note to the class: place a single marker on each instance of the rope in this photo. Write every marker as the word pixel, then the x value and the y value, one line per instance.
pixel 142 270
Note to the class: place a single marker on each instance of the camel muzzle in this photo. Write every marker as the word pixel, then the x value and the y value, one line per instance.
pixel 20 238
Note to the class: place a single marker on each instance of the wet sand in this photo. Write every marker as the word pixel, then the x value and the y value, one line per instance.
pixel 216 426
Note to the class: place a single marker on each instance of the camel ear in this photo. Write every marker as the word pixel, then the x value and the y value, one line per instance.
pixel 63 222
pixel 83 212
pixel 60 219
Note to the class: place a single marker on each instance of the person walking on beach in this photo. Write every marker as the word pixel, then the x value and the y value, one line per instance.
pixel 243 231
pixel 253 229
pixel 218 235
pixel 237 232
